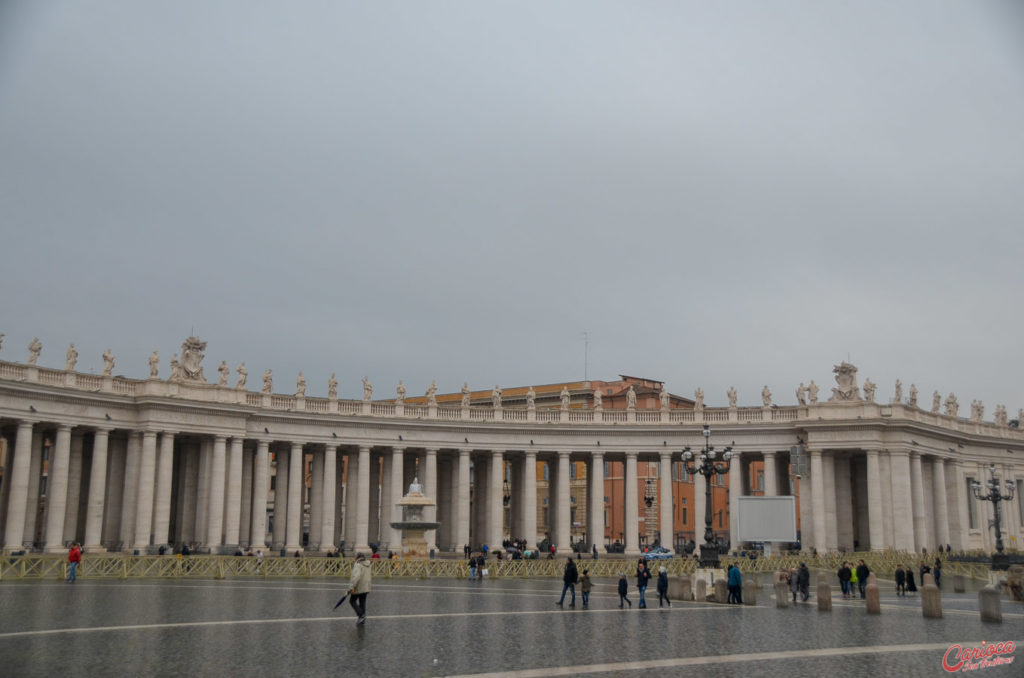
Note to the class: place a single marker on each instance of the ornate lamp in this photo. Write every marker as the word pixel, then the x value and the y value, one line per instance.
pixel 708 466
pixel 994 494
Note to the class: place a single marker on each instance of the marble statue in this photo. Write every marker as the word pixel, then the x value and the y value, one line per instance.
pixel 176 374
pixel 332 387
pixel 801 394
pixel 243 375
pixel 300 386
pixel 192 354
pixel 698 399
pixel 812 392
pixel 400 392
pixel 466 394
pixel 869 390
pixel 224 371
pixel 367 389
pixel 1000 415
pixel 108 363
pixel 898 398
pixel 564 397
pixel 664 397
pixel 631 398
pixel 731 395
pixel 154 365
pixel 846 377
pixel 1020 417
pixel 496 397
pixel 432 393
pixel 71 357
pixel 34 349
pixel 936 401
pixel 952 406
pixel 531 399
pixel 766 396
pixel 268 382
pixel 977 410
pixel 597 399
pixel 912 398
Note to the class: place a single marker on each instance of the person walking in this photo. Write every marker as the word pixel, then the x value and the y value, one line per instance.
pixel 74 558
pixel 735 585
pixel 663 586
pixel 472 568
pixel 643 577
pixel 623 590
pixel 911 586
pixel 937 572
pixel 595 551
pixel 569 578
pixel 585 587
pixel 794 582
pixel 845 575
pixel 862 577
pixel 359 587
pixel 901 581
pixel 805 582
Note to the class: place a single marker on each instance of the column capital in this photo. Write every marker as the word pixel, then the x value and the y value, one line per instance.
pixel 397 449
pixel 220 437
pixel 631 453
pixel 64 427
pixel 431 450
pixel 102 429
pixel 465 450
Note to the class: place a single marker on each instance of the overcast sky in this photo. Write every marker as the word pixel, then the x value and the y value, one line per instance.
pixel 741 193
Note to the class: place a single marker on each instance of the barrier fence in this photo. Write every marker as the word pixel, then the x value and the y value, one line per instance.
pixel 52 567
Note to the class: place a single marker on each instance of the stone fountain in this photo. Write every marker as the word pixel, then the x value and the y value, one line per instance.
pixel 412 525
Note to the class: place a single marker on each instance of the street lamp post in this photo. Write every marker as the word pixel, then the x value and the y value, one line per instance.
pixel 1000 560
pixel 708 467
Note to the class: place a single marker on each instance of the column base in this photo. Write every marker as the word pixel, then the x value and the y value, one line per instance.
pixel 361 548
pixel 632 553
pixel 91 549
pixel 51 550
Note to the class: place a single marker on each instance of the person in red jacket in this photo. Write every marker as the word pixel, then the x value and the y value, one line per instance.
pixel 74 557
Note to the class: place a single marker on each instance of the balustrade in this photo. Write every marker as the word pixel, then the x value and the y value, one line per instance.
pixel 52 377
pixel 382 409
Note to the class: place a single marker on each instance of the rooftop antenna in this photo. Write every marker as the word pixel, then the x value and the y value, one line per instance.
pixel 586 350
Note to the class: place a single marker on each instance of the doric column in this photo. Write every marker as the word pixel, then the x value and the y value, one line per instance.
pixel 665 522
pixel 57 493
pixel 495 505
pixel 561 532
pixel 737 472
pixel 260 487
pixel 233 501
pixel 316 501
pixel 35 475
pixel 632 508
pixel 530 498
pixel 74 489
pixel 956 487
pixel 203 491
pixel 164 478
pixel 19 473
pixel 330 482
pixel 430 489
pixel 362 523
pixel 280 531
pixel 245 513
pixel 396 482
pixel 130 488
pixel 874 507
pixel 903 526
pixel 818 499
pixel 921 537
pixel 215 510
pixel 940 510
pixel 462 501
pixel 771 483
pixel 831 519
pixel 296 486
pixel 595 523
pixel 97 491
pixel 144 504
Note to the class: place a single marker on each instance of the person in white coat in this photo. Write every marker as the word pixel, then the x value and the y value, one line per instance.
pixel 359 587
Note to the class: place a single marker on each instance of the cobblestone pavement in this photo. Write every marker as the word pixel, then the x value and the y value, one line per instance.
pixel 448 627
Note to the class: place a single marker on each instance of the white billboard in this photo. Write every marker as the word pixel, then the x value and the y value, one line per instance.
pixel 766 519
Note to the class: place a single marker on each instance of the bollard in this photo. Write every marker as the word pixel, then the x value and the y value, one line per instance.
pixel 679 588
pixel 824 593
pixel 958 583
pixel 989 604
pixel 721 591
pixel 931 598
pixel 700 591
pixel 685 589
pixel 750 592
pixel 781 594
pixel 872 597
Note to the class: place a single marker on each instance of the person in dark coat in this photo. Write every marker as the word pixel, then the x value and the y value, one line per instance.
pixel 862 576
pixel 569 578
pixel 845 574
pixel 585 587
pixel 937 572
pixel 901 581
pixel 911 586
pixel 663 586
pixel 623 590
pixel 643 577
pixel 735 585
pixel 805 582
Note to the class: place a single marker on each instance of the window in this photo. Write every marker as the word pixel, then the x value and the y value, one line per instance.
pixel 572 471
pixel 42 484
pixel 508 473
pixel 46 453
pixel 546 469
pixel 760 480
pixel 972 518
pixel 684 515
pixel 545 501
pixel 606 470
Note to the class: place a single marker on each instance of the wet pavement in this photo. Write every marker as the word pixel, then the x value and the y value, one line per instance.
pixel 451 627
